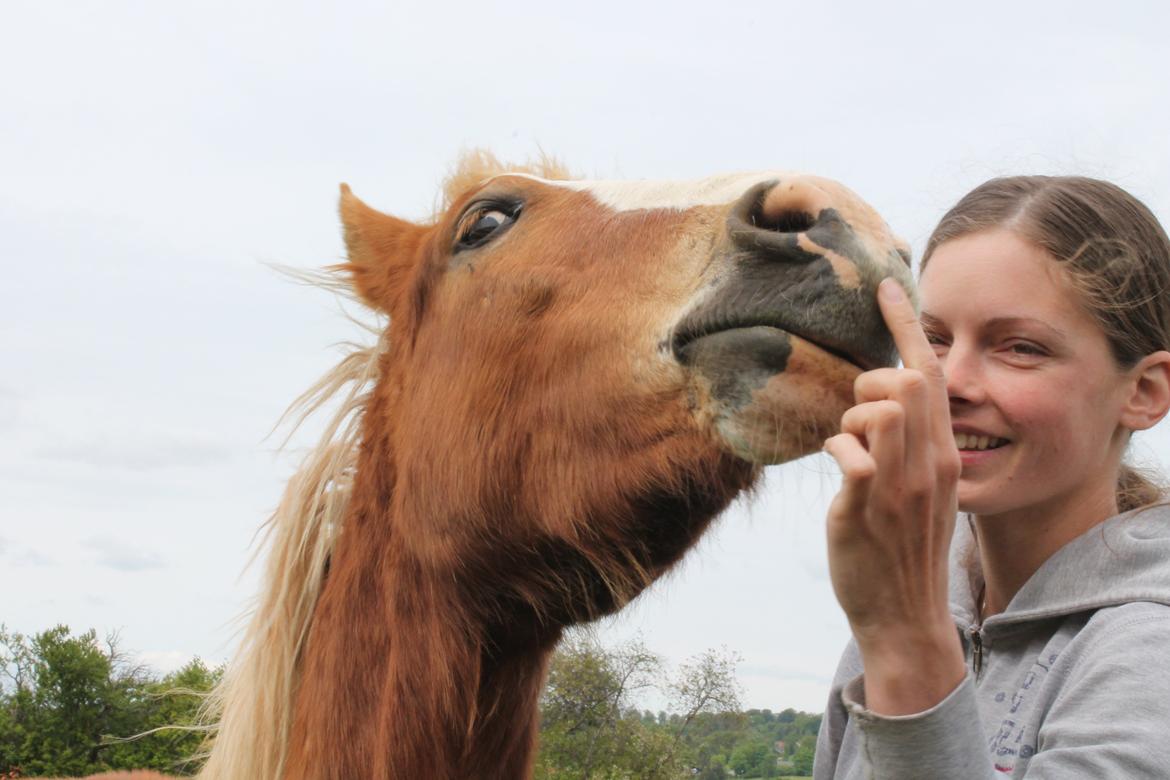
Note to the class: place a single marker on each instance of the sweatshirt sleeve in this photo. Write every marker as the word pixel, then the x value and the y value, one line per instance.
pixel 946 740
pixel 836 720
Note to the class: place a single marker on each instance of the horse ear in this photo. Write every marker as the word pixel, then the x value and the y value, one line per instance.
pixel 381 250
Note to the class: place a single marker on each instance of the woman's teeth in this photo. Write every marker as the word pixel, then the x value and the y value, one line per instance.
pixel 969 441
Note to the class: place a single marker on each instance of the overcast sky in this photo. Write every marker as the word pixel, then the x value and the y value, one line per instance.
pixel 153 156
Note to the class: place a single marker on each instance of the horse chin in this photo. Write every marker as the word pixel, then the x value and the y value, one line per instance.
pixel 769 395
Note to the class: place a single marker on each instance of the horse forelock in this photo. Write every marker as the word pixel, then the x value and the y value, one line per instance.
pixel 477 166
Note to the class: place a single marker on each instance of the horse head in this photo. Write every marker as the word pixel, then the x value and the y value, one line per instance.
pixel 581 374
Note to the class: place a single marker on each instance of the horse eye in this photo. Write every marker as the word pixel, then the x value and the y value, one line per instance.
pixel 482 225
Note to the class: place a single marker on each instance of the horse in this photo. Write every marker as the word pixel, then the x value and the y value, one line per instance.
pixel 574 378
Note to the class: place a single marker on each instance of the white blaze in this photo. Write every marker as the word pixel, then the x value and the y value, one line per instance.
pixel 632 195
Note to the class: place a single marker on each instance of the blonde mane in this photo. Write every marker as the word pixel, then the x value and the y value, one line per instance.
pixel 249 714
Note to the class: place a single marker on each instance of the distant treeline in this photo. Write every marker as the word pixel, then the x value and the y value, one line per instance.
pixel 69 703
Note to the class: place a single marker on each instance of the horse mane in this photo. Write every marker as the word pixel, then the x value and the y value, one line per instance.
pixel 250 711
pixel 249 714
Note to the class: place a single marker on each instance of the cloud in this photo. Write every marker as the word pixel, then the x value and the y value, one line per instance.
pixel 23 556
pixel 118 555
pixel 139 452
pixel 31 557
pixel 164 661
pixel 785 673
pixel 9 403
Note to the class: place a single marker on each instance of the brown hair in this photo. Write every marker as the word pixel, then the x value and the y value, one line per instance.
pixel 1112 251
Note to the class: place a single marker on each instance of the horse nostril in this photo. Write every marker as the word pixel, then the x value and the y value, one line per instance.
pixel 787 207
pixel 783 221
pixel 771 216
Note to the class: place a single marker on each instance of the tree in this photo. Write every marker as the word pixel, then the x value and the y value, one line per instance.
pixel 589 728
pixel 73 705
pixel 753 759
pixel 706 683
pixel 64 700
pixel 802 759
pixel 166 720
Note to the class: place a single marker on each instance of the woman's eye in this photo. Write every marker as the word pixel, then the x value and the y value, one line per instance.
pixel 935 339
pixel 1025 348
pixel 482 225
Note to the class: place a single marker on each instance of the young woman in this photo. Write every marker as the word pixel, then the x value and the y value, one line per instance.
pixel 1045 325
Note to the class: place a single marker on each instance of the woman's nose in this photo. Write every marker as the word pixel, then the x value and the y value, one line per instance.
pixel 964 375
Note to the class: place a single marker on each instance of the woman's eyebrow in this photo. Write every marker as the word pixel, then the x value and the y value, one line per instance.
pixel 930 322
pixel 999 323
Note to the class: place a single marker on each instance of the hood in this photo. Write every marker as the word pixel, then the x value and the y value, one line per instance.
pixel 1122 560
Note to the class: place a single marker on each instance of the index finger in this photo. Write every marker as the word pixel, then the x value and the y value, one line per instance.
pixel 902 320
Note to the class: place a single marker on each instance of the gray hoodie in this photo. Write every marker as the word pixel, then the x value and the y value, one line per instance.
pixel 1071 681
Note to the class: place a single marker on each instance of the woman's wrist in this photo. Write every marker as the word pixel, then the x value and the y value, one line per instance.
pixel 909 671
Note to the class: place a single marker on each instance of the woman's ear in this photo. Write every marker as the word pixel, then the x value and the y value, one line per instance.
pixel 1149 396
pixel 382 251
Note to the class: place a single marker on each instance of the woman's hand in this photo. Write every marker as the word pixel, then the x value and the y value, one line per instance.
pixel 890 526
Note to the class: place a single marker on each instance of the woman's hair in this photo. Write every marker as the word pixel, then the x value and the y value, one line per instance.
pixel 1113 252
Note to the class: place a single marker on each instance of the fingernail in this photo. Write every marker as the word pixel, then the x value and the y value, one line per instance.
pixel 891 290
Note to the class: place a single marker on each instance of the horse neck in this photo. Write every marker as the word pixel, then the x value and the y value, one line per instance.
pixel 400 679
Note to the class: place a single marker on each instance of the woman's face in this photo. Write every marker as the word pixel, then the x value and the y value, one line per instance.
pixel 1035 394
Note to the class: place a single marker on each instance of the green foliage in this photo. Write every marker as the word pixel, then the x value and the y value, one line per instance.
pixel 590 730
pixel 588 726
pixel 74 705
pixel 802 759
pixel 753 758
pixel 71 705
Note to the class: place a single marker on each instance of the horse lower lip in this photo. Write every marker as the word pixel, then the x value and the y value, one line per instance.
pixel 842 356
pixel 857 362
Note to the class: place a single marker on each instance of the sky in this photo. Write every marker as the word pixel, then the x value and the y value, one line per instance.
pixel 156 158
